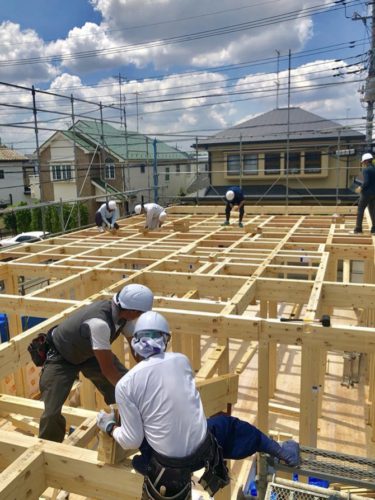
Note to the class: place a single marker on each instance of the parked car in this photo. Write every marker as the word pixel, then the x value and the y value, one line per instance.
pixel 23 238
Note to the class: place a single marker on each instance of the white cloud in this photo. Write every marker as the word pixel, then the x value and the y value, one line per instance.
pixel 22 46
pixel 149 33
pixel 192 104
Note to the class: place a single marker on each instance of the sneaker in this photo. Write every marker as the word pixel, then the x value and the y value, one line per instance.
pixel 101 229
pixel 357 231
pixel 240 224
pixel 226 223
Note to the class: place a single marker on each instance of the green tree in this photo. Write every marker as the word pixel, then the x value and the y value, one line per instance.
pixel 71 215
pixel 36 219
pixel 23 218
pixel 10 222
pixel 52 219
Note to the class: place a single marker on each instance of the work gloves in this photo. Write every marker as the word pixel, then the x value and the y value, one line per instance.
pixel 290 453
pixel 106 421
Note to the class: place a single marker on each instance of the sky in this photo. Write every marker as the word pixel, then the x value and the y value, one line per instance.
pixel 180 70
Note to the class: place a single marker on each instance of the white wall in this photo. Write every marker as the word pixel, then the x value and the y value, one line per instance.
pixel 167 188
pixel 62 151
pixel 12 183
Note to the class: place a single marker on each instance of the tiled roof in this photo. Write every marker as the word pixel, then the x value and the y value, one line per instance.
pixel 279 125
pixel 138 146
pixel 7 154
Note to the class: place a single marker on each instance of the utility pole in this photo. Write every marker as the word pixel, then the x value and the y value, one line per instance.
pixel 370 84
pixel 126 169
pixel 369 95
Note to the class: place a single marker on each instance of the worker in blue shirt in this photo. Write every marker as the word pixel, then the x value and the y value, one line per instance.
pixel 234 197
pixel 367 197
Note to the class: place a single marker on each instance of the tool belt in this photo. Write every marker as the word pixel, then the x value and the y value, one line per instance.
pixel 39 347
pixel 170 478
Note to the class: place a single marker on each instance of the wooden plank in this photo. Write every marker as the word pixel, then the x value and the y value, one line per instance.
pixel 218 392
pixel 76 470
pixel 25 478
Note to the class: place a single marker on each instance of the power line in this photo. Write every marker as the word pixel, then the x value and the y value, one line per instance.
pixel 234 28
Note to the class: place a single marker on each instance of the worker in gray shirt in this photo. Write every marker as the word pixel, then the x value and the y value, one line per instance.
pixel 155 215
pixel 82 343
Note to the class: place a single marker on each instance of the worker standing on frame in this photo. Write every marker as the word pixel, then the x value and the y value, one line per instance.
pixel 367 196
pixel 155 215
pixel 161 413
pixel 235 198
pixel 82 343
pixel 106 216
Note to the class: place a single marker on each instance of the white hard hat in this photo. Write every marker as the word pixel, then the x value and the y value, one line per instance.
pixel 229 195
pixel 151 321
pixel 163 216
pixel 138 209
pixel 134 297
pixel 112 205
pixel 367 156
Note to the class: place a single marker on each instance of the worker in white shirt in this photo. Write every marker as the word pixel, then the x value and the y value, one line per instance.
pixel 161 413
pixel 155 215
pixel 106 216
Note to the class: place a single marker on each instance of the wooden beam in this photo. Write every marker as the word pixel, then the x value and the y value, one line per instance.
pixel 25 478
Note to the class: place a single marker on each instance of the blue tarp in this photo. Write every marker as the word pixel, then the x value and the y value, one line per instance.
pixel 27 322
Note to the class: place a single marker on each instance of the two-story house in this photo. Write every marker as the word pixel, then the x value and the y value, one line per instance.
pixel 96 159
pixel 285 153
pixel 15 170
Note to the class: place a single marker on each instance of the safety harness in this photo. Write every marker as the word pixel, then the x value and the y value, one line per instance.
pixel 170 478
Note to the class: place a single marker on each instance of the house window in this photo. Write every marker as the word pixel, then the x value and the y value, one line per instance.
pixel 1 174
pixel 250 164
pixel 249 161
pixel 109 169
pixel 62 172
pixel 167 176
pixel 272 163
pixel 313 162
pixel 178 169
pixel 188 168
pixel 142 168
pixel 294 163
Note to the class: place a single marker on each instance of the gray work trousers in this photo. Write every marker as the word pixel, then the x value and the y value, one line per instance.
pixel 56 381
pixel 366 200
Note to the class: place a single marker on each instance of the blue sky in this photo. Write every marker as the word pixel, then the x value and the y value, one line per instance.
pixel 50 18
pixel 190 67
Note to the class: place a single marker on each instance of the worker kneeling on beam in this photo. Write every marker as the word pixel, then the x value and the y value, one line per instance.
pixel 106 216
pixel 161 413
pixel 155 215
pixel 82 344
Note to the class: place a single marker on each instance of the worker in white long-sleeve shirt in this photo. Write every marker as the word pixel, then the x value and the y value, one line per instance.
pixel 162 414
pixel 106 216
pixel 155 215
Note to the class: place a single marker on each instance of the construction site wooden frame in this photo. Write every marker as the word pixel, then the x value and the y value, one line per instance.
pixel 224 290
